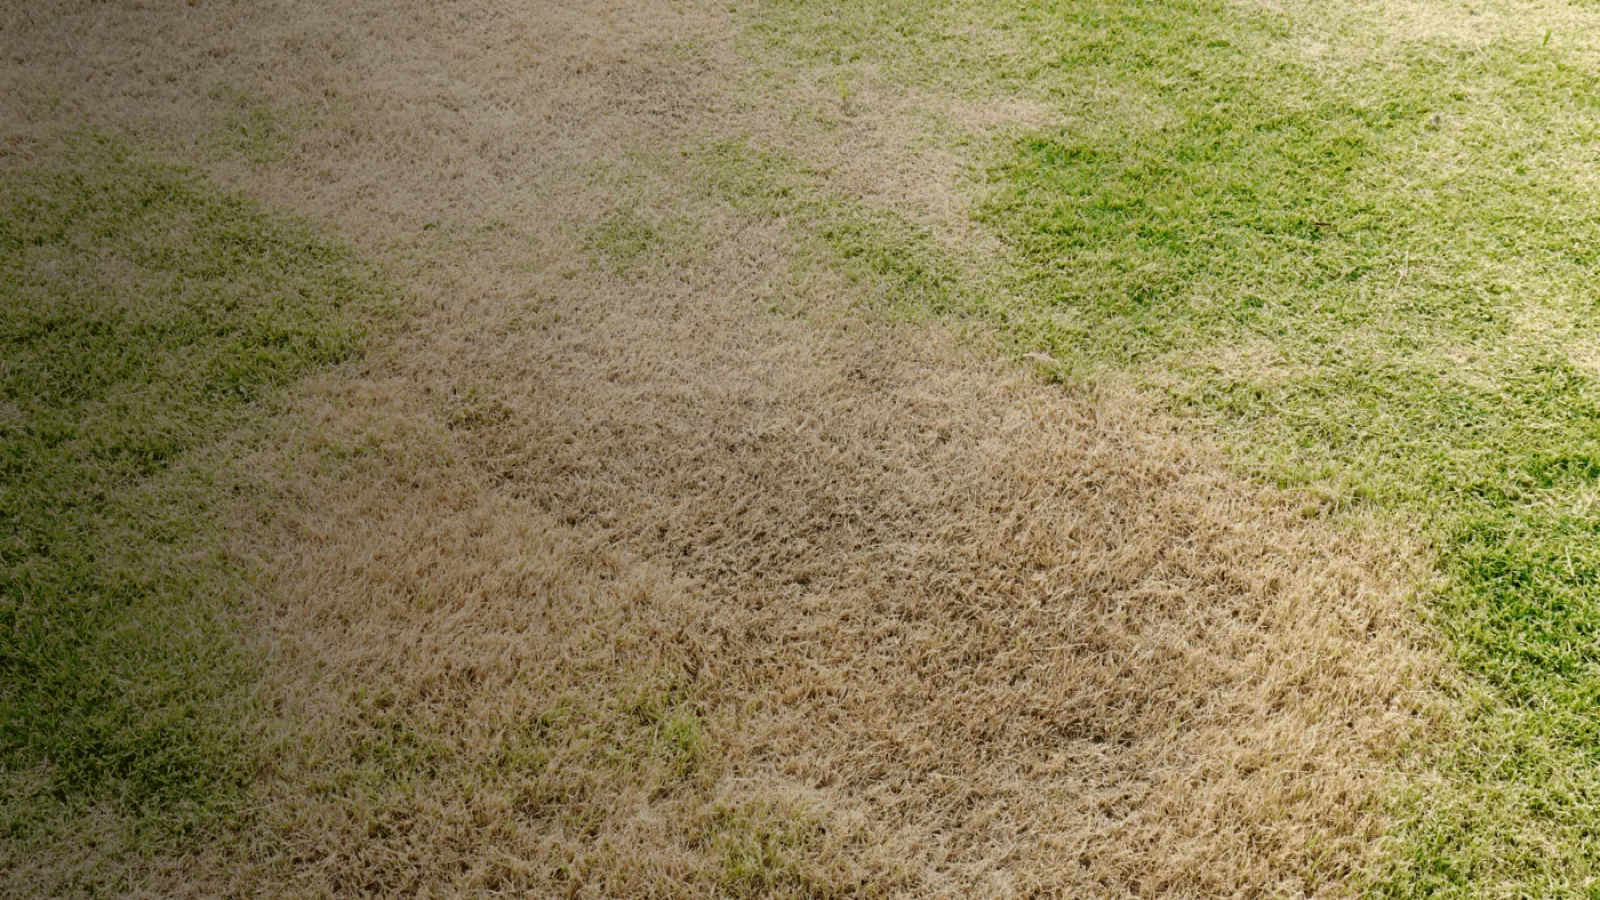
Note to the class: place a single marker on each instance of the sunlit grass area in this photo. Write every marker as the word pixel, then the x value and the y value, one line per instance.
pixel 659 554
pixel 1359 243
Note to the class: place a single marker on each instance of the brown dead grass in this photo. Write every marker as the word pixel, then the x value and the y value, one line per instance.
pixel 600 581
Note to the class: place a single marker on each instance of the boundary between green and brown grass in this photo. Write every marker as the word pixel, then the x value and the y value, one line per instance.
pixel 145 314
pixel 1355 243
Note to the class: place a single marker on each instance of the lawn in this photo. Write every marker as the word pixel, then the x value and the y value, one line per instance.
pixel 1352 244
pixel 1358 244
pixel 144 316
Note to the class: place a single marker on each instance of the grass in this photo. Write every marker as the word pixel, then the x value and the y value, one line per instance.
pixel 469 623
pixel 248 129
pixel 143 315
pixel 1363 253
pixel 759 846
pixel 623 241
pixel 894 264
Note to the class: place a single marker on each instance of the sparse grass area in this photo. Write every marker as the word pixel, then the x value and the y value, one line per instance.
pixel 143 315
pixel 1363 251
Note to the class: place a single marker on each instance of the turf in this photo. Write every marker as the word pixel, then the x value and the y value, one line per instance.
pixel 144 314
pixel 1363 253
pixel 1355 241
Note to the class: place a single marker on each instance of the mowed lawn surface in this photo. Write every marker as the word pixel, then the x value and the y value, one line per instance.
pixel 1360 241
pixel 144 316
pixel 1355 242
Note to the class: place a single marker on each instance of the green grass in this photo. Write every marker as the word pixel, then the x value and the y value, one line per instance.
pixel 248 129
pixel 624 241
pixel 143 315
pixel 760 847
pixel 1365 254
pixel 896 266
